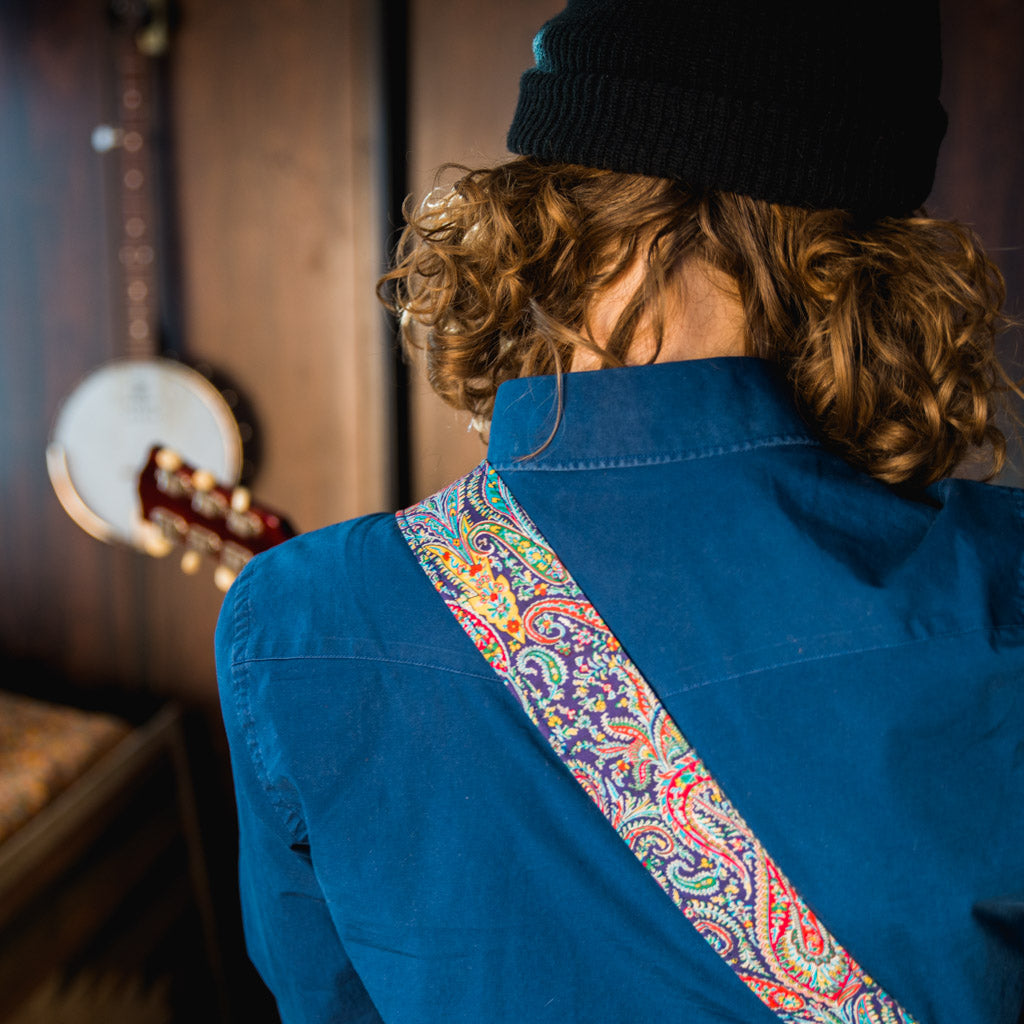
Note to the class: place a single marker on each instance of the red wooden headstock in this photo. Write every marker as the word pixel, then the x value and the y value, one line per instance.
pixel 186 507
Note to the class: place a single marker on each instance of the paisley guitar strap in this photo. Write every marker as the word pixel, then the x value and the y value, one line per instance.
pixel 547 642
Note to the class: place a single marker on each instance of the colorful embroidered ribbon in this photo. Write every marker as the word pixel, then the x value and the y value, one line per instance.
pixel 538 631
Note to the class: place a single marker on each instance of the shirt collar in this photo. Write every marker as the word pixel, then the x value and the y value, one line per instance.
pixel 639 414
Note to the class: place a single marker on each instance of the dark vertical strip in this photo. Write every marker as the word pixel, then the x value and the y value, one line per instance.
pixel 981 163
pixel 393 65
pixel 171 283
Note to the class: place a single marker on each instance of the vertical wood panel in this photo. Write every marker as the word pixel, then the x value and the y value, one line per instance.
pixel 981 165
pixel 466 59
pixel 66 600
pixel 274 119
pixel 275 116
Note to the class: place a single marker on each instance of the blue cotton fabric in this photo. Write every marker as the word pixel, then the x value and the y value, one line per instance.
pixel 849 664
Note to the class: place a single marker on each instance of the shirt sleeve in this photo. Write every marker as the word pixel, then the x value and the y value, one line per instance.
pixel 289 933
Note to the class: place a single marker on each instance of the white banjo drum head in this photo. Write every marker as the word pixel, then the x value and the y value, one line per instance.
pixel 106 427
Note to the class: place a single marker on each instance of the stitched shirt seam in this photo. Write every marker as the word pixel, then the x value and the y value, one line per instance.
pixel 289 818
pixel 811 658
pixel 631 461
pixel 729 677
pixel 260 659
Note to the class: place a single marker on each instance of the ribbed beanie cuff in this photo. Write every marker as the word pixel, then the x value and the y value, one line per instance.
pixel 797 110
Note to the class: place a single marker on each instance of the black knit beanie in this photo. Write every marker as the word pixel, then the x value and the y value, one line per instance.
pixel 818 104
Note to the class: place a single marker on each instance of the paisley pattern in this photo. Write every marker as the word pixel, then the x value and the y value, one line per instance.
pixel 534 626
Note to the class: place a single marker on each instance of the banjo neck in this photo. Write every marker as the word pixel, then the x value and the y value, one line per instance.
pixel 141 34
pixel 136 252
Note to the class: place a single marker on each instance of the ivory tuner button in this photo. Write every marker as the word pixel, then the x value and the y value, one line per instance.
pixel 223 577
pixel 154 543
pixel 241 499
pixel 168 460
pixel 191 562
pixel 203 480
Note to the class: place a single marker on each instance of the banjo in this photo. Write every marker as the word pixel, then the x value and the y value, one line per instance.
pixel 105 428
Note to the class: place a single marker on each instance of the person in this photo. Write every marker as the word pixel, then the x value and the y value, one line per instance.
pixel 728 366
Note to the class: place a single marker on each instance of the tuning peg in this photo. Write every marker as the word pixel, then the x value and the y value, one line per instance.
pixel 154 541
pixel 153 39
pixel 241 499
pixel 223 577
pixel 168 460
pixel 191 562
pixel 203 480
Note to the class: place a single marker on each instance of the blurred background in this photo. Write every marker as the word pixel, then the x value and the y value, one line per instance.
pixel 288 132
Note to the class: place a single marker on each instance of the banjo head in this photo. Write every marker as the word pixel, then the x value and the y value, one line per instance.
pixel 105 429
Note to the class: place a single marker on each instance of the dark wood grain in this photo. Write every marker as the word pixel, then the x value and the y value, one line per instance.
pixel 275 118
pixel 65 601
pixel 466 59
pixel 276 121
pixel 273 115
pixel 981 165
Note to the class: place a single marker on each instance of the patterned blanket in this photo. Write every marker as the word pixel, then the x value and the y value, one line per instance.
pixel 43 749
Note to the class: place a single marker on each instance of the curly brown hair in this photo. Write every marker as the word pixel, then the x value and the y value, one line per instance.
pixel 885 330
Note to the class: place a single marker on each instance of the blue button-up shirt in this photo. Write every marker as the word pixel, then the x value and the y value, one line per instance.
pixel 849 663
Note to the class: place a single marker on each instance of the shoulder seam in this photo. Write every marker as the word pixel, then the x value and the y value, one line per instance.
pixel 291 820
pixel 255 660
pixel 853 652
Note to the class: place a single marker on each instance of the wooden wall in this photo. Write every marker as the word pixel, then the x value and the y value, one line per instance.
pixel 276 121
pixel 276 125
pixel 981 164
pixel 452 121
